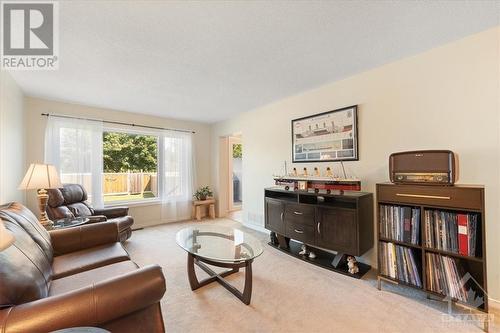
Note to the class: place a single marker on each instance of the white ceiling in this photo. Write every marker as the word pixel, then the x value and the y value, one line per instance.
pixel 208 61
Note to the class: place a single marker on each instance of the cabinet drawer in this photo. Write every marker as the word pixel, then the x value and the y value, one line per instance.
pixel 443 196
pixel 300 214
pixel 300 232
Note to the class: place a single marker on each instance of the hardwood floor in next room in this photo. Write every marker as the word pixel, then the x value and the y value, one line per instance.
pixel 236 215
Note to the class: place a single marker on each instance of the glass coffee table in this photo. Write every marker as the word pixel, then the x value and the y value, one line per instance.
pixel 222 247
pixel 68 222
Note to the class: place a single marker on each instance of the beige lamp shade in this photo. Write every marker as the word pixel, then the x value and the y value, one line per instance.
pixel 40 176
pixel 6 238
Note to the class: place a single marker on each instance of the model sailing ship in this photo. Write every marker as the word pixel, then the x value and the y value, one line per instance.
pixel 317 183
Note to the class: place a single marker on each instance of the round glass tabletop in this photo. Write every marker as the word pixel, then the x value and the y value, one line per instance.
pixel 218 243
pixel 69 222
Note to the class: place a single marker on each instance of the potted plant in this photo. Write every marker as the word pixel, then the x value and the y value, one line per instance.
pixel 203 193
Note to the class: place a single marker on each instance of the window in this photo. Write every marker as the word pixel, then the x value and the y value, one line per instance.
pixel 130 167
pixel 74 146
pixel 117 166
pixel 178 179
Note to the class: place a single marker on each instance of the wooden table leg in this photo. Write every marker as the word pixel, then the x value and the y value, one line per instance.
pixel 198 213
pixel 244 296
pixel 247 290
pixel 211 210
pixel 193 280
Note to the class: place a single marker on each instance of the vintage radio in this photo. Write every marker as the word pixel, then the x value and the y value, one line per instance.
pixel 431 167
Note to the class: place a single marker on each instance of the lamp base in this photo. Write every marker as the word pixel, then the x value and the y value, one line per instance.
pixel 43 199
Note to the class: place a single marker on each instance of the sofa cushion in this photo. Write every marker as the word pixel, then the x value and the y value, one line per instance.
pixel 17 213
pixel 56 198
pixel 84 260
pixel 79 209
pixel 88 278
pixel 57 213
pixel 24 269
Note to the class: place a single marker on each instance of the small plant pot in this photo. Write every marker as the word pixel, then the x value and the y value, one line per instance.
pixel 203 198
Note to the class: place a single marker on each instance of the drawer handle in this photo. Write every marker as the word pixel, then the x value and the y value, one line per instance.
pixel 299 231
pixel 422 196
pixel 281 217
pixel 319 226
pixel 297 213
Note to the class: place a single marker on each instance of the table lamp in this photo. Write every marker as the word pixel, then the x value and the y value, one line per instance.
pixel 41 177
pixel 6 238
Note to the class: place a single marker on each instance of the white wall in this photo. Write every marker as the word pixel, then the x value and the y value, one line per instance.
pixel 144 215
pixel 12 152
pixel 445 98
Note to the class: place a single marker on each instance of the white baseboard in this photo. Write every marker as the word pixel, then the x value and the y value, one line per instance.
pixel 494 305
pixel 155 223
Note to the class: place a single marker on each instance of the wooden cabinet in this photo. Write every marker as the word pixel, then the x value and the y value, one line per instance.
pixel 274 215
pixel 337 229
pixel 438 199
pixel 338 222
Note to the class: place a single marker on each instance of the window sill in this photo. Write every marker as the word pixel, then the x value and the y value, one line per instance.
pixel 134 203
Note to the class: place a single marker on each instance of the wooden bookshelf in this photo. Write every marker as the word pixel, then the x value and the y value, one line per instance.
pixel 461 199
pixel 389 240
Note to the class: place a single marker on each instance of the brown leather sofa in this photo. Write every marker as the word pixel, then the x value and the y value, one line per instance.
pixel 71 201
pixel 74 277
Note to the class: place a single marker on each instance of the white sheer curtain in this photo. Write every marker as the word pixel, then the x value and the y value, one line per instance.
pixel 74 146
pixel 177 167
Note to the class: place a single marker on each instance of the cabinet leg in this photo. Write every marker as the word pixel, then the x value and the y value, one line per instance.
pixel 274 238
pixel 283 241
pixel 379 283
pixel 339 260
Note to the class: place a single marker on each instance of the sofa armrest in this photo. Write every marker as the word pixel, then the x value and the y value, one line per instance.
pixel 94 305
pixel 112 212
pixel 83 237
pixel 96 218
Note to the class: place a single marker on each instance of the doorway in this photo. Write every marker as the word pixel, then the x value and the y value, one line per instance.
pixel 235 173
pixel 230 193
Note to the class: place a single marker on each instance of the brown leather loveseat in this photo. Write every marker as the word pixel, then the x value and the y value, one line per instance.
pixel 71 201
pixel 74 277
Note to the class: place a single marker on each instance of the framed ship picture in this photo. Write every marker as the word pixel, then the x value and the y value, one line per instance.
pixel 326 137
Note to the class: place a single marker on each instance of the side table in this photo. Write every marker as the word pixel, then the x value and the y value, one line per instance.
pixel 199 204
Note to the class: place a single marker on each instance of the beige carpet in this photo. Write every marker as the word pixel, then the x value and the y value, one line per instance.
pixel 288 295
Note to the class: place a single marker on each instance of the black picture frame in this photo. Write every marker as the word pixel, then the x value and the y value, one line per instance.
pixel 346 138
